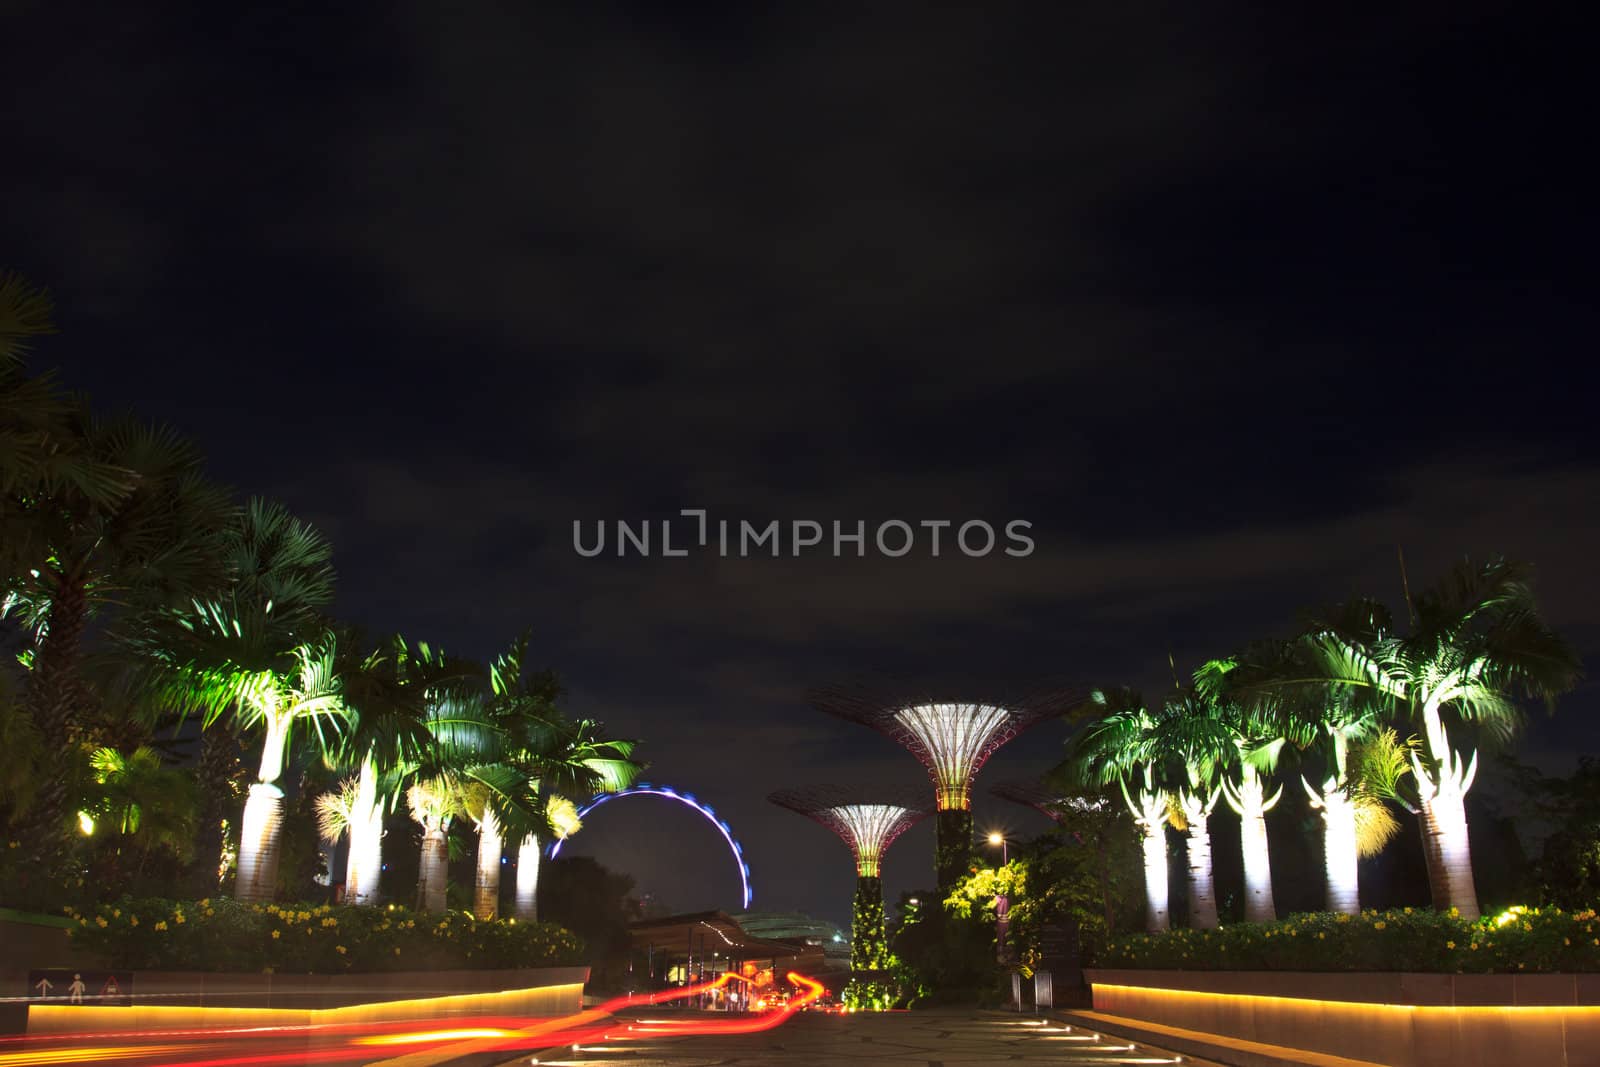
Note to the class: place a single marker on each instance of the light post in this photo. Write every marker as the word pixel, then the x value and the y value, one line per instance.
pixel 1001 904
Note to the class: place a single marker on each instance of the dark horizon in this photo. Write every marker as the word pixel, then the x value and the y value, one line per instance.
pixel 1230 312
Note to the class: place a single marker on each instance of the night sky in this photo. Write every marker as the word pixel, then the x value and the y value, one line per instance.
pixel 1227 303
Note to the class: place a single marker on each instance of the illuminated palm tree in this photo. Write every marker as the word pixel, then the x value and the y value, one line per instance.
pixel 387 742
pixel 1330 727
pixel 434 803
pixel 1116 749
pixel 136 796
pixel 1220 754
pixel 1245 745
pixel 544 755
pixel 1476 644
pixel 259 655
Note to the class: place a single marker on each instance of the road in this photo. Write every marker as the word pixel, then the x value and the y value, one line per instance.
pixel 933 1038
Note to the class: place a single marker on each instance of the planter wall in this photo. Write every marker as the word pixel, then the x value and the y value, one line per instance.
pixel 1396 1018
pixel 178 999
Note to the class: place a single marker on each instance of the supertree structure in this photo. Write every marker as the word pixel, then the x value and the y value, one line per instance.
pixel 953 739
pixel 1044 799
pixel 868 823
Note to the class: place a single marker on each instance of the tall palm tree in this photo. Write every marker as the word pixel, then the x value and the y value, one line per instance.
pixel 1189 733
pixel 1224 752
pixel 257 654
pixel 74 555
pixel 1476 644
pixel 386 743
pixel 1115 749
pixel 558 756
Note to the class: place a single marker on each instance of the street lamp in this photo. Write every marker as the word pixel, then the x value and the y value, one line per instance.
pixel 1001 904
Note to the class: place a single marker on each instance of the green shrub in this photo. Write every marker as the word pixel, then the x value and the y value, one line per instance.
pixel 221 934
pixel 1519 939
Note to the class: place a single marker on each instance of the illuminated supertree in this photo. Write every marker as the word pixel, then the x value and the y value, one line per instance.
pixel 952 739
pixel 1045 800
pixel 869 826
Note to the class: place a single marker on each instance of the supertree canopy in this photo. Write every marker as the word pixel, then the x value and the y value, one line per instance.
pixel 952 739
pixel 869 826
pixel 1044 799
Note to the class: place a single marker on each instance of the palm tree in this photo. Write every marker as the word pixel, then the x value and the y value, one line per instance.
pixel 141 799
pixel 258 654
pixel 558 756
pixel 387 741
pixel 72 555
pixel 1198 736
pixel 40 454
pixel 1115 749
pixel 1477 642
pixel 433 803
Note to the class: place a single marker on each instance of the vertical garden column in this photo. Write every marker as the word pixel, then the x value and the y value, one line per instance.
pixel 869 943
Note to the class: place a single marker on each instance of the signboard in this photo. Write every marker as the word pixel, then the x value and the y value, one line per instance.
pixel 80 987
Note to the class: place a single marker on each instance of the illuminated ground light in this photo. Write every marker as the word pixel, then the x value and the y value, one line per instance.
pixel 689 801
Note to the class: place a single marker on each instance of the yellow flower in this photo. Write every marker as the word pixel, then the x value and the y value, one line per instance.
pixel 1455 913
pixel 1566 940
pixel 101 919
pixel 1449 944
pixel 162 925
pixel 179 919
pixel 1321 936
pixel 1408 911
pixel 1474 946
pixel 116 913
pixel 339 949
pixel 274 935
pixel 133 920
pixel 1379 925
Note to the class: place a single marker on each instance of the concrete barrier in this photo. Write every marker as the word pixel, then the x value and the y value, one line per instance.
pixel 1401 1019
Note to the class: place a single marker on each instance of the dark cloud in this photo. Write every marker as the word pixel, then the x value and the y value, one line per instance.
pixel 1229 308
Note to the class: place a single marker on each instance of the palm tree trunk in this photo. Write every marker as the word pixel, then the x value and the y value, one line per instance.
pixel 433 870
pixel 364 865
pixel 1340 852
pixel 1259 906
pixel 1445 825
pixel 526 907
pixel 213 771
pixel 486 889
pixel 261 829
pixel 1433 859
pixel 1202 888
pixel 260 834
pixel 1155 875
pixel 56 697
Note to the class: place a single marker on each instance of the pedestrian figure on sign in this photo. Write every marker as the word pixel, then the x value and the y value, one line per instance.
pixel 44 985
pixel 76 990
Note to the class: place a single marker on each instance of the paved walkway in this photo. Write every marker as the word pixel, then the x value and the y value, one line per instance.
pixel 953 1038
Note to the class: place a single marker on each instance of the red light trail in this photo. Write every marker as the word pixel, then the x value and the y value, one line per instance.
pixel 351 1042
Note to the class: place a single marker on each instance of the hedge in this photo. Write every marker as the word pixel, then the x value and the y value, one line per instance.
pixel 1518 940
pixel 222 934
